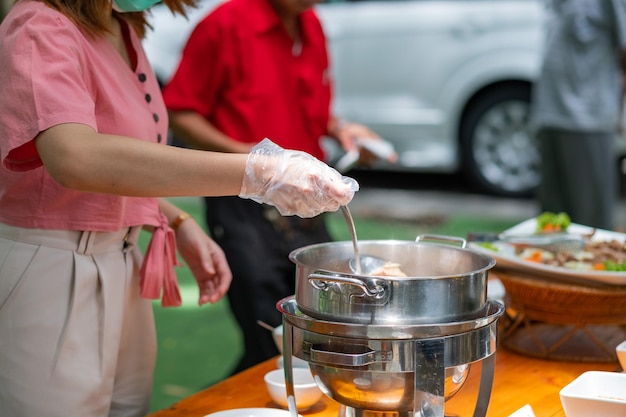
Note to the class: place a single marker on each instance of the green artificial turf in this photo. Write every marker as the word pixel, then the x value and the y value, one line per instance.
pixel 199 346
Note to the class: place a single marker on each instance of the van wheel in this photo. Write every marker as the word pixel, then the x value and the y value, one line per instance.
pixel 499 154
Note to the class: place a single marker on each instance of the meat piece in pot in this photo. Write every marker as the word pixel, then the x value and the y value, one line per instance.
pixel 389 269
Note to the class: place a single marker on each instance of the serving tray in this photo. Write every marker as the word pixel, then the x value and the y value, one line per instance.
pixel 507 259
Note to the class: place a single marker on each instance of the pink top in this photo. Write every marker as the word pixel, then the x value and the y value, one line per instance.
pixel 52 73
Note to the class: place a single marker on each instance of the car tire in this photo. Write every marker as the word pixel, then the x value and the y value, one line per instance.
pixel 499 154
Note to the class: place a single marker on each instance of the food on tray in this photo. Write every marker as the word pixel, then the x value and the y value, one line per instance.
pixel 602 260
pixel 548 222
pixel 603 255
pixel 597 254
pixel 389 269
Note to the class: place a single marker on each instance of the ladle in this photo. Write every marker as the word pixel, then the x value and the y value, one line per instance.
pixel 359 264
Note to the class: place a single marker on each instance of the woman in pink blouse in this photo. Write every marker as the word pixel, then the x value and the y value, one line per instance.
pixel 83 164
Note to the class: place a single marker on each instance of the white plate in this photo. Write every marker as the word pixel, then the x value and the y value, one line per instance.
pixel 505 256
pixel 252 412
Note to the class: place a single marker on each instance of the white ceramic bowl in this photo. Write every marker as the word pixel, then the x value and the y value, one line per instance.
pixel 295 362
pixel 277 333
pixel 305 389
pixel 621 354
pixel 595 393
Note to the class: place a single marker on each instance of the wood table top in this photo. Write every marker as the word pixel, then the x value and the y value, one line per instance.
pixel 519 380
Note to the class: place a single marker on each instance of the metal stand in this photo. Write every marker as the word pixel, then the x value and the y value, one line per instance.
pixel 389 372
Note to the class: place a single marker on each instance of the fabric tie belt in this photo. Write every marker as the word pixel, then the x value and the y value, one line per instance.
pixel 158 276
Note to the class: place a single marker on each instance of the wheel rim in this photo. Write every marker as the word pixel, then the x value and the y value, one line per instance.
pixel 506 154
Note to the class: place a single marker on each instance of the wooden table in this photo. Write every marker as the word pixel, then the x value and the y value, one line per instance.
pixel 519 380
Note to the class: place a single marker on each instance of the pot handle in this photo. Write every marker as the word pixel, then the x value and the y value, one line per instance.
pixel 324 357
pixel 320 282
pixel 446 239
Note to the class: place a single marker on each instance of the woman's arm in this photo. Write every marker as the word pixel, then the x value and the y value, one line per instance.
pixel 78 157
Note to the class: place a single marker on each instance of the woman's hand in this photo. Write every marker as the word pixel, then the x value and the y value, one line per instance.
pixel 294 182
pixel 205 259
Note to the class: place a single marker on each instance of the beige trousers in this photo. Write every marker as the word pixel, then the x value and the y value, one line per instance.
pixel 76 339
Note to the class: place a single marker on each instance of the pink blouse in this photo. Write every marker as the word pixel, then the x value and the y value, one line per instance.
pixel 51 73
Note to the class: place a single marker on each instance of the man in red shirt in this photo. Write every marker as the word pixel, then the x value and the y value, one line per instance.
pixel 253 69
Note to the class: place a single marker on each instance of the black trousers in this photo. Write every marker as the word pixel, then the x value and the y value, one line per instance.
pixel 257 241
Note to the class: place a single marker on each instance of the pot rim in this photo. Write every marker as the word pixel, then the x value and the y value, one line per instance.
pixel 489 261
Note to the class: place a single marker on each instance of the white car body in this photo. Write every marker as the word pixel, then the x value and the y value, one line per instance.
pixel 407 69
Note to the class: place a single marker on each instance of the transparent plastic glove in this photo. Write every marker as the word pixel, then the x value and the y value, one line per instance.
pixel 294 182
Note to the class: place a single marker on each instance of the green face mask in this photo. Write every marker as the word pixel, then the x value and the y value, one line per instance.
pixel 133 5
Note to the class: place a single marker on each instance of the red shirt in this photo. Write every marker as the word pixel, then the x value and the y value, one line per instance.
pixel 243 73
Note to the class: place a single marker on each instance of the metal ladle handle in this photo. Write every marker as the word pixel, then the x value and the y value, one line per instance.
pixel 350 222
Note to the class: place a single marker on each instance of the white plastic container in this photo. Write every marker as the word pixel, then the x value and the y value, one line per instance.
pixel 597 394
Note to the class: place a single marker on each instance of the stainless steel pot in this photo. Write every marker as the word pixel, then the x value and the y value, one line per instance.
pixel 444 283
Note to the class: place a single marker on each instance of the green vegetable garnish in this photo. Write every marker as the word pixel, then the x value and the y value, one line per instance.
pixel 488 245
pixel 614 266
pixel 550 222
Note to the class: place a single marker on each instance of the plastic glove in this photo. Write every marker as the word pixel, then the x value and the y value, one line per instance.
pixel 294 181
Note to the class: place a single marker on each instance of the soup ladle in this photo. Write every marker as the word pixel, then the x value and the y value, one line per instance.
pixel 359 264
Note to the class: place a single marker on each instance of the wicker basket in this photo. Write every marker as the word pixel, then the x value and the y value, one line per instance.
pixel 560 320
pixel 558 302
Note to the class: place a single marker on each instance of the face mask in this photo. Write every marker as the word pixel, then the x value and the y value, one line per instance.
pixel 133 5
